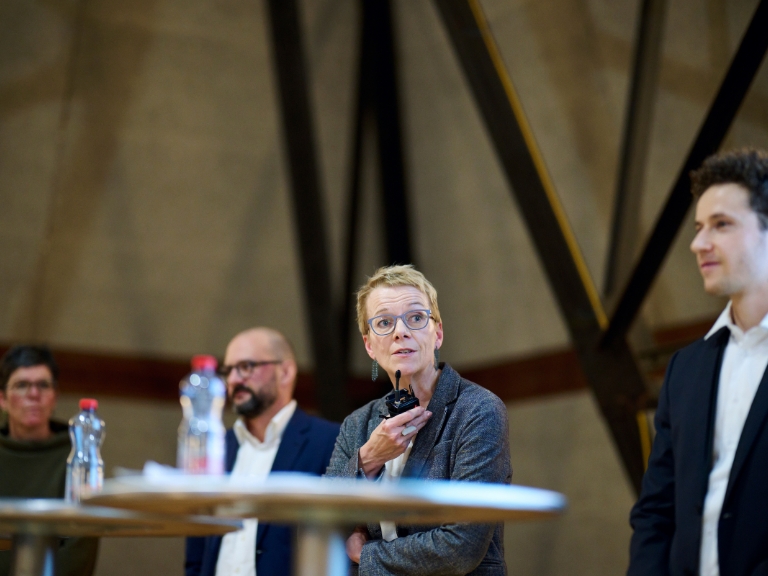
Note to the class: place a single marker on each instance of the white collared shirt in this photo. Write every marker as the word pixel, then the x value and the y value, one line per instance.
pixel 744 363
pixel 237 555
pixel 393 469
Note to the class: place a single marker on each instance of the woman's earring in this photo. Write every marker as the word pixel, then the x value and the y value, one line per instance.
pixel 437 358
pixel 374 370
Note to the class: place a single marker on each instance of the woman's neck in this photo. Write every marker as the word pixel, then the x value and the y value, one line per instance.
pixel 22 433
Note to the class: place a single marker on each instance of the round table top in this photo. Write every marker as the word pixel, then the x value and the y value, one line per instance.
pixel 58 518
pixel 298 498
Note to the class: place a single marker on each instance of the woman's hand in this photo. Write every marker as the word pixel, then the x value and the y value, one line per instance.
pixel 355 543
pixel 387 441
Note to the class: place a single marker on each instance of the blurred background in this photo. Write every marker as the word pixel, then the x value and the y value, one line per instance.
pixel 155 199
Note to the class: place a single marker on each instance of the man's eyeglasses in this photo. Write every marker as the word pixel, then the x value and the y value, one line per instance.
pixel 414 320
pixel 245 367
pixel 23 387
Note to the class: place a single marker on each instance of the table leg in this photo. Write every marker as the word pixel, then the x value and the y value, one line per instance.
pixel 33 555
pixel 321 551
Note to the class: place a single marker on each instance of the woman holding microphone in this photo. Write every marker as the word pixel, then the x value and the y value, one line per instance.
pixel 458 431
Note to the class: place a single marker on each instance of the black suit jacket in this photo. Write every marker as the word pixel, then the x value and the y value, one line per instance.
pixel 667 518
pixel 306 446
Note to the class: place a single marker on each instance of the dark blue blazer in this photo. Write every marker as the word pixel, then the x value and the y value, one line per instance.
pixel 667 518
pixel 306 446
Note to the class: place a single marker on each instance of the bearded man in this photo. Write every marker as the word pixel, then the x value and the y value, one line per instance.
pixel 272 435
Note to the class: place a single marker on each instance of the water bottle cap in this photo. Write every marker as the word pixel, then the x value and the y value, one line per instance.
pixel 89 404
pixel 203 362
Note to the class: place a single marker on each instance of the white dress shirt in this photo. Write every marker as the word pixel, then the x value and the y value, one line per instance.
pixel 744 363
pixel 393 469
pixel 237 555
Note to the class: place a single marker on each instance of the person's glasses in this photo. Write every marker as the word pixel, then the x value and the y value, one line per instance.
pixel 23 387
pixel 385 323
pixel 245 367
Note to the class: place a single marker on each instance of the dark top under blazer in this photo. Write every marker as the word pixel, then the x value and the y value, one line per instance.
pixel 667 518
pixel 467 438
pixel 306 446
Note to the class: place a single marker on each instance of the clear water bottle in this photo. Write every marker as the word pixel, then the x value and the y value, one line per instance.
pixel 201 433
pixel 85 468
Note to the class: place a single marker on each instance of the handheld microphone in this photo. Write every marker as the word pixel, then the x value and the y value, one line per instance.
pixel 400 401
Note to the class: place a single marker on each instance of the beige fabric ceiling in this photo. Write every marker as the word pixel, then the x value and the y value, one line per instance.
pixel 143 191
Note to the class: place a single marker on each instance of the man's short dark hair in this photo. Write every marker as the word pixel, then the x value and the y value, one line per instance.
pixel 747 167
pixel 25 357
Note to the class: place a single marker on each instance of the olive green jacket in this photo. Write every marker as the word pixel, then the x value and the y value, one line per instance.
pixel 36 469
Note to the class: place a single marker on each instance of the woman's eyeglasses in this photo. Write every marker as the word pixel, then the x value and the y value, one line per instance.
pixel 23 387
pixel 414 320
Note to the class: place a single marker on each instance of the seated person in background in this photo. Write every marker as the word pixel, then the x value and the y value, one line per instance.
pixel 34 448
pixel 459 432
pixel 271 435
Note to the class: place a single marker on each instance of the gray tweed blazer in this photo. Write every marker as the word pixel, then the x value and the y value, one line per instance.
pixel 467 439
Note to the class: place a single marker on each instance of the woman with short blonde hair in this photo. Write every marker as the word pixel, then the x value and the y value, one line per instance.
pixel 444 427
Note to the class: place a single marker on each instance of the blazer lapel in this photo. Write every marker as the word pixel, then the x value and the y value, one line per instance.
pixel 697 407
pixel 291 444
pixel 710 369
pixel 232 446
pixel 441 404
pixel 752 427
pixel 702 406
pixel 294 438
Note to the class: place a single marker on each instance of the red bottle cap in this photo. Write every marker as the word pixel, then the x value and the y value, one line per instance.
pixel 89 404
pixel 204 362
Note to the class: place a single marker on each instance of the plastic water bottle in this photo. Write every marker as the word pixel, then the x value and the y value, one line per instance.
pixel 201 433
pixel 85 468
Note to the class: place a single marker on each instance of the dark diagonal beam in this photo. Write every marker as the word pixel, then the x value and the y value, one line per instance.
pixel 613 375
pixel 734 88
pixel 635 143
pixel 308 210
